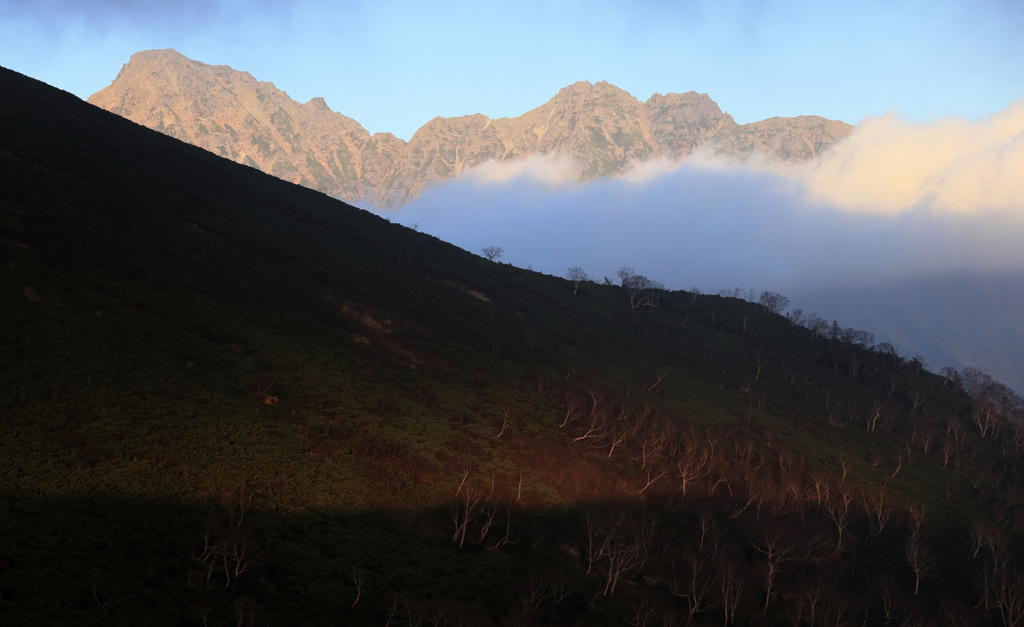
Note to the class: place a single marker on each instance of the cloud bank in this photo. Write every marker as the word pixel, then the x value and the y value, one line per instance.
pixel 895 200
pixel 891 166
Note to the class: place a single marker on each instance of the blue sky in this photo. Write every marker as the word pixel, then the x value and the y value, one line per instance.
pixel 393 65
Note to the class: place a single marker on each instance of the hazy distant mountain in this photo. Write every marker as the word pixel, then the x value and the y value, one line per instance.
pixel 230 113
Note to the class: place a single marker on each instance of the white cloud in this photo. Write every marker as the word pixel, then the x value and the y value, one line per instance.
pixel 892 166
pixel 895 200
pixel 548 170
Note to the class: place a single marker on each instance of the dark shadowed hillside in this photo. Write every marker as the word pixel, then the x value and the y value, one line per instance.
pixel 227 399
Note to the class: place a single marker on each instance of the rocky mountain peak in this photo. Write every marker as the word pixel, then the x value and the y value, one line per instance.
pixel 576 88
pixel 231 113
pixel 317 103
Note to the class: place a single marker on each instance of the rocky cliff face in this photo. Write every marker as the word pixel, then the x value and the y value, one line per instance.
pixel 234 115
pixel 230 113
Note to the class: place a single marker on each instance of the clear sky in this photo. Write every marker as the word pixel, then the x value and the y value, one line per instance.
pixel 393 64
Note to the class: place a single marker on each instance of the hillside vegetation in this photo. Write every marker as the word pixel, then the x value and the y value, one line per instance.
pixel 227 399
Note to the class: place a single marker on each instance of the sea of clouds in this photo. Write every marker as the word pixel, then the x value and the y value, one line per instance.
pixel 896 199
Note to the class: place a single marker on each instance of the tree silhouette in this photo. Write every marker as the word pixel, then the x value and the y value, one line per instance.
pixel 492 252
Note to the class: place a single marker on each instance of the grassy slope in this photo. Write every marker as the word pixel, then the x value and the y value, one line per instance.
pixel 149 288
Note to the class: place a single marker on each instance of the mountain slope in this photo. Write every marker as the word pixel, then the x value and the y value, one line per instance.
pixel 224 398
pixel 956 320
pixel 232 114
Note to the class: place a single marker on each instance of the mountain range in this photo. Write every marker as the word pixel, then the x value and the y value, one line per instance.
pixel 232 114
pixel 238 117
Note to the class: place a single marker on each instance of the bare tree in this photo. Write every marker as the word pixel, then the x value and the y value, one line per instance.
pixel 732 588
pixel 506 537
pixel 734 293
pixel 248 613
pixel 468 507
pixel 917 363
pixel 956 613
pixel 653 473
pixel 489 515
pixel 629 552
pixel 1005 591
pixel 817 325
pixel 777 549
pixel 696 462
pixel 988 536
pixel 890 596
pixel 577 275
pixel 504 424
pixel 998 581
pixel 641 611
pixel 919 555
pixel 837 507
pixel 527 597
pixel 596 427
pixel 881 508
pixel 773 302
pixel 654 451
pixel 993 401
pixel 492 252
pixel 953 444
pixel 812 595
pixel 231 543
pixel 642 292
pixel 619 544
pixel 949 374
pixel 357 579
pixel 694 580
pixel 879 411
pixel 104 600
pixel 654 447
pixel 630 426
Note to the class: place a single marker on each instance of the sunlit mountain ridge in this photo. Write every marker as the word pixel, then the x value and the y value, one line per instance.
pixel 604 128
